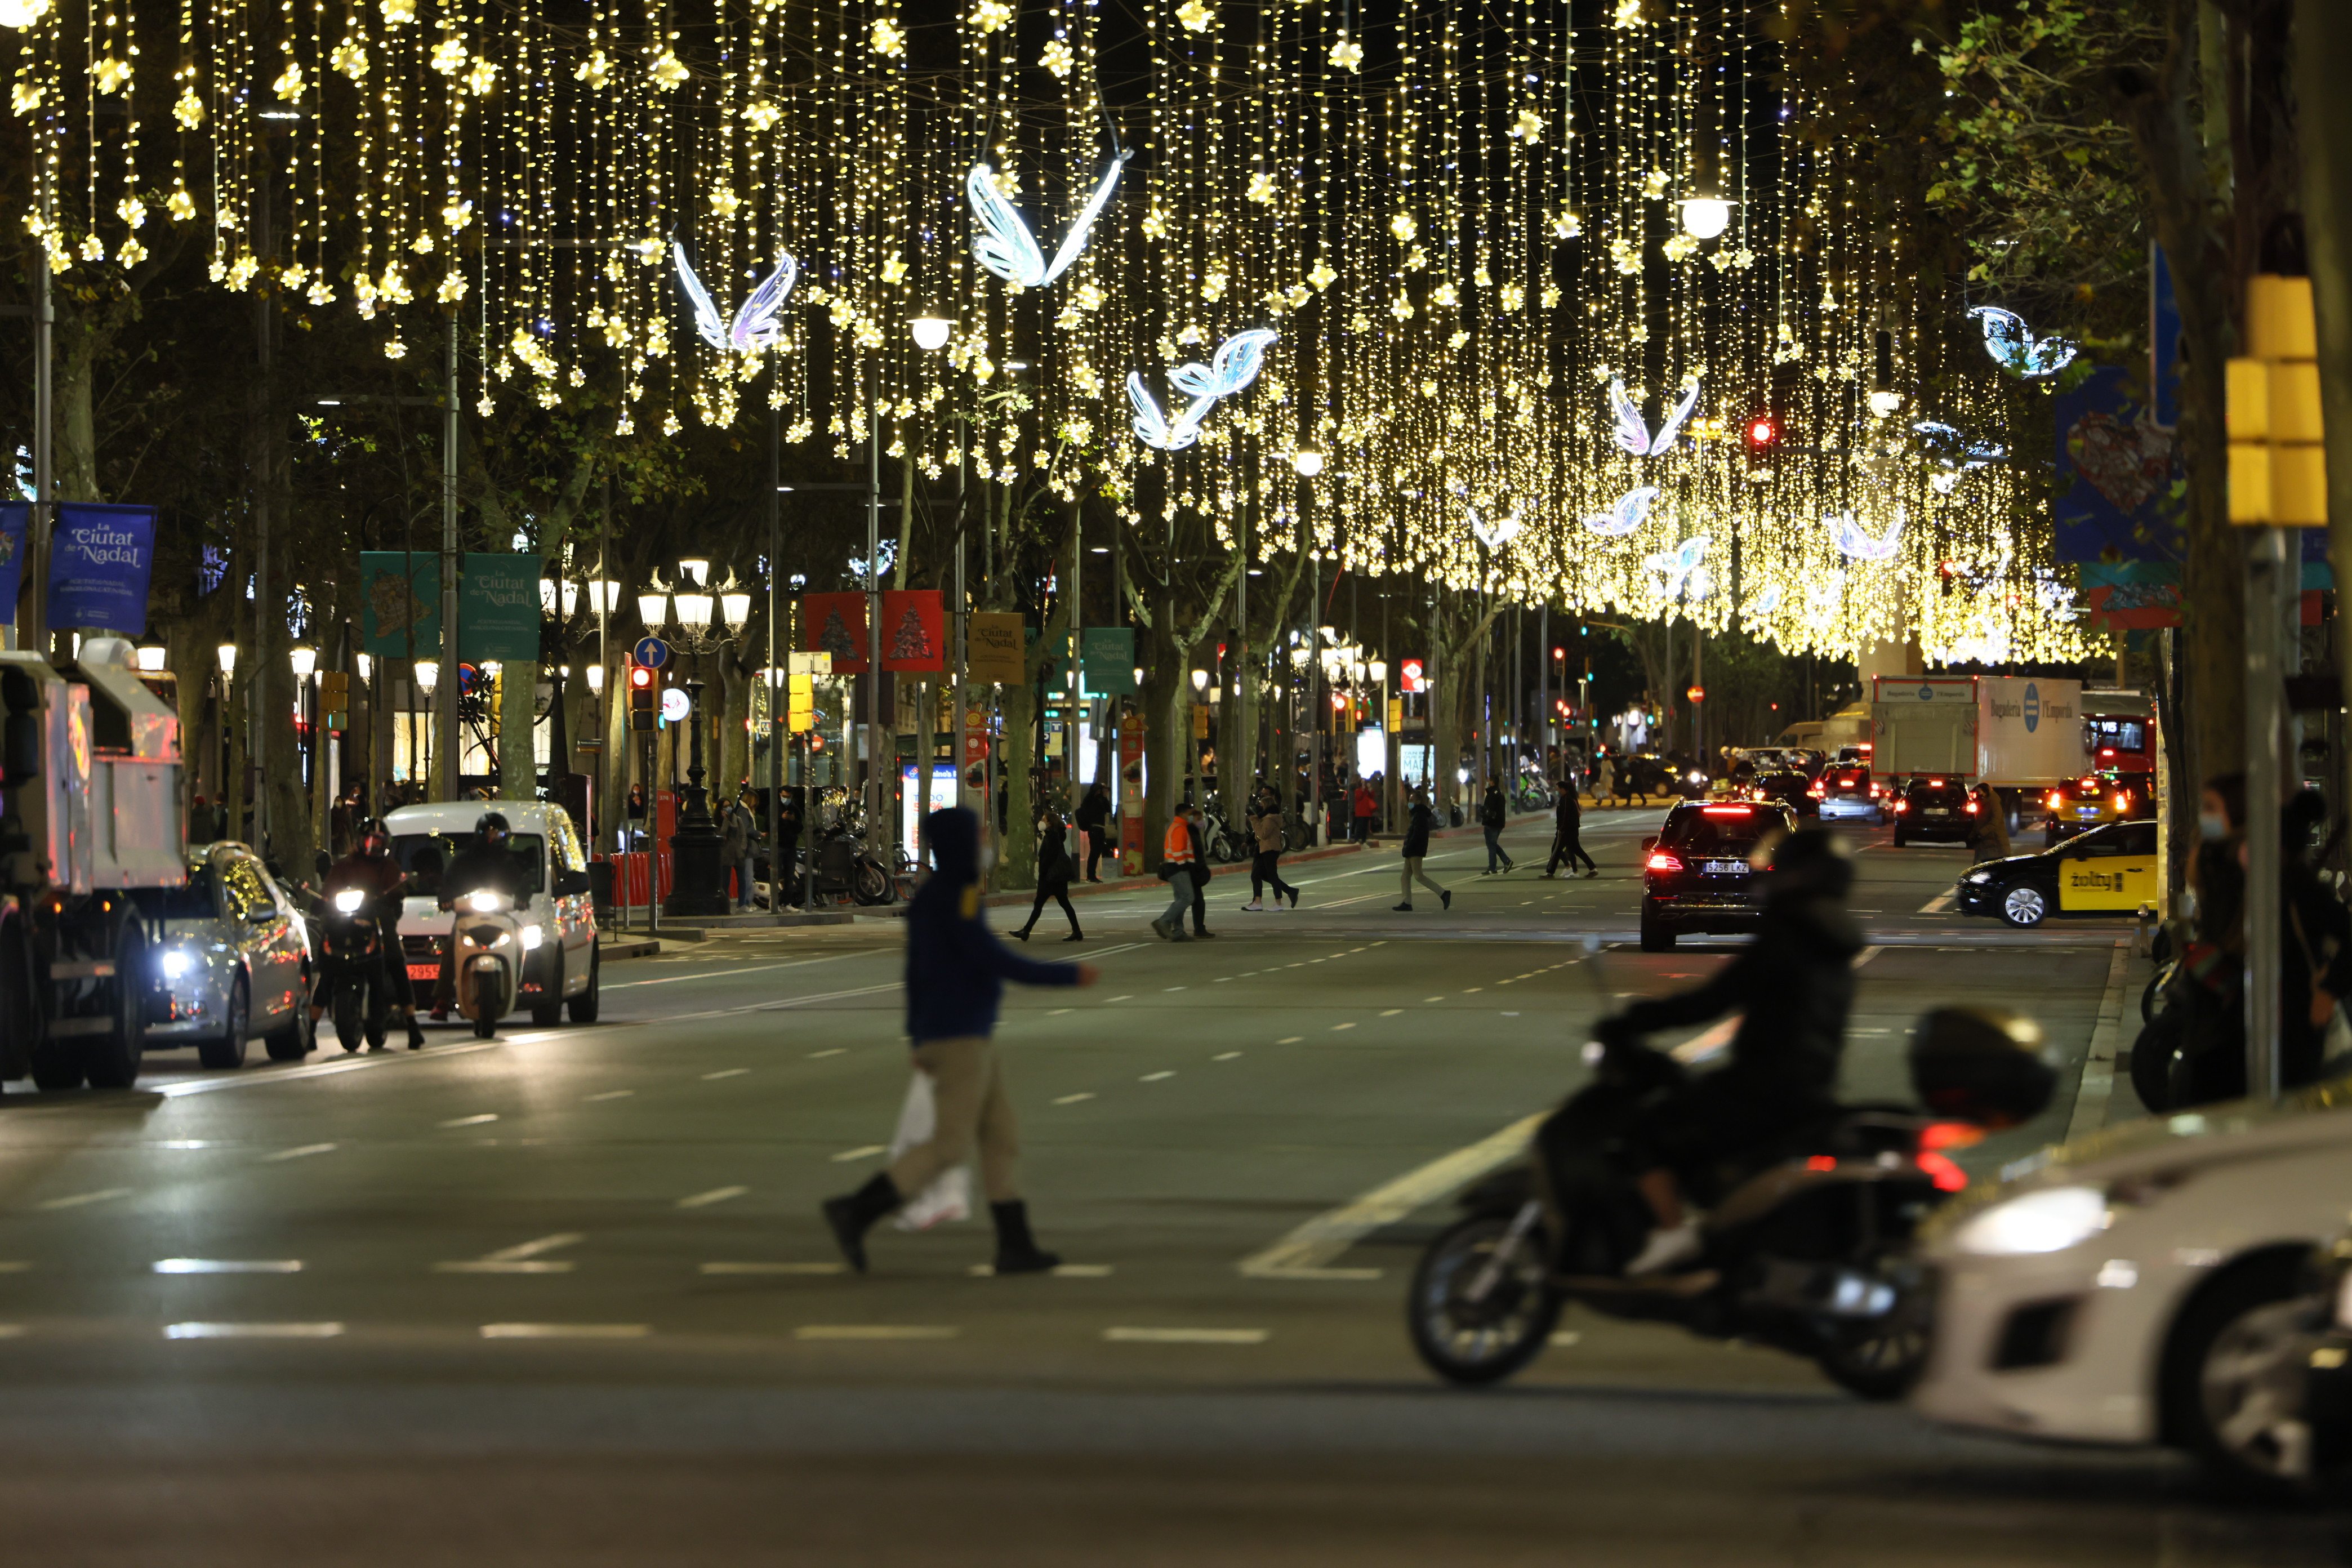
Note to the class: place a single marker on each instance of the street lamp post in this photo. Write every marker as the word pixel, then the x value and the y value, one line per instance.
pixel 698 878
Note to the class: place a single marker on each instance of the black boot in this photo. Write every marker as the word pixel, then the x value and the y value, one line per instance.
pixel 1021 931
pixel 852 1216
pixel 1016 1250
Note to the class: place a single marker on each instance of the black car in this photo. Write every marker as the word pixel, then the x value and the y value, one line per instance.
pixel 1793 790
pixel 1933 808
pixel 1695 876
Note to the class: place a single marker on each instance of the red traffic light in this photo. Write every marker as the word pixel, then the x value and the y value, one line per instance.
pixel 1763 431
pixel 640 678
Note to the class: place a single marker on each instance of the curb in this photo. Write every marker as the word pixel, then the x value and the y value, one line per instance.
pixel 640 948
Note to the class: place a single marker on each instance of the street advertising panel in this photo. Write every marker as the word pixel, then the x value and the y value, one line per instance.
pixel 498 609
pixel 836 623
pixel 400 604
pixel 16 524
pixel 995 648
pixel 99 559
pixel 913 635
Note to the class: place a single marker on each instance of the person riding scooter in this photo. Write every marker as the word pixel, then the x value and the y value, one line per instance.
pixel 486 864
pixel 1794 985
pixel 370 869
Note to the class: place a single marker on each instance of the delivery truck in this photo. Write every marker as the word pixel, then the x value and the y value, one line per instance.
pixel 2015 732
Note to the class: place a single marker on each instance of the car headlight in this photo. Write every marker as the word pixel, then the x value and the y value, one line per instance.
pixel 1977 877
pixel 351 900
pixel 178 964
pixel 532 937
pixel 2050 1220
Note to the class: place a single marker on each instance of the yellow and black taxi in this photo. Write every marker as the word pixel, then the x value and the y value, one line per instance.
pixel 2092 801
pixel 2109 871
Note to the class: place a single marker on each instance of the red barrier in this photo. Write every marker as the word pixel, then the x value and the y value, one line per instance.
pixel 629 872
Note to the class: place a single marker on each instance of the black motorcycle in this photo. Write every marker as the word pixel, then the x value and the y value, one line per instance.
pixel 1807 1248
pixel 351 958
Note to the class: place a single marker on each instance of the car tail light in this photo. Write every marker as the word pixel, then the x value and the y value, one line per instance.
pixel 2123 802
pixel 1662 861
pixel 1972 808
pixel 1934 784
pixel 1902 806
pixel 1821 1162
pixel 1938 1166
pixel 1815 792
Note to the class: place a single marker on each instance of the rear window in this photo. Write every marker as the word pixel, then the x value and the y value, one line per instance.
pixel 1848 778
pixel 1946 794
pixel 1709 829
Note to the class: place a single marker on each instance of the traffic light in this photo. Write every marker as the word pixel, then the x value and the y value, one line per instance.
pixel 644 700
pixel 335 697
pixel 1763 434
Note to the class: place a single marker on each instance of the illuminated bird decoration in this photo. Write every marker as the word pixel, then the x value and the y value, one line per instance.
pixel 1496 537
pixel 1632 509
pixel 2014 347
pixel 757 324
pixel 1634 431
pixel 1236 364
pixel 1765 603
pixel 1681 566
pixel 1859 544
pixel 1003 243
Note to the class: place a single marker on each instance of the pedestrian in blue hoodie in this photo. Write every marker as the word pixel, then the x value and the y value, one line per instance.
pixel 955 974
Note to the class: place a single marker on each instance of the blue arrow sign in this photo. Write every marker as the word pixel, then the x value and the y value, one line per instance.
pixel 651 652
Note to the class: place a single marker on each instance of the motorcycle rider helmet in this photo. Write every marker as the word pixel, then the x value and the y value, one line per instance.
pixel 375 839
pixel 491 826
pixel 1812 861
pixel 1985 1064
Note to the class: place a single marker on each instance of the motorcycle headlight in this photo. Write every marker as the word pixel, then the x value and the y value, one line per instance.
pixel 504 938
pixel 486 903
pixel 178 964
pixel 532 937
pixel 2050 1220
pixel 351 901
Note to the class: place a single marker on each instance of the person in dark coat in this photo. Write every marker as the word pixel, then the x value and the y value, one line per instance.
pixel 1492 815
pixel 1094 820
pixel 1419 820
pixel 955 977
pixel 1568 832
pixel 1053 879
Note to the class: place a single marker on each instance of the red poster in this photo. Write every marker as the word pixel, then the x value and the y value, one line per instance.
pixel 836 623
pixel 913 625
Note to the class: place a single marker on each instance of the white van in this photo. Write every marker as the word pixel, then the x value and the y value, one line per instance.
pixel 558 922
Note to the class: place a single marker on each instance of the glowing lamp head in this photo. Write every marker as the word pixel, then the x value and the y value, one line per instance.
pixel 694 569
pixel 595 673
pixel 1705 217
pixel 1309 464
pixel 931 333
pixel 351 901
pixel 1200 680
pixel 429 674
pixel 227 654
pixel 304 660
pixel 151 658
pixel 1885 403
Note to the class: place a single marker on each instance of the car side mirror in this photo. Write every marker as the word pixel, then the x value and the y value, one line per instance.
pixel 571 884
pixel 1648 844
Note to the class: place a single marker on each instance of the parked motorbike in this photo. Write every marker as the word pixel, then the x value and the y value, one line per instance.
pixel 1807 1248
pixel 844 865
pixel 488 959
pixel 350 957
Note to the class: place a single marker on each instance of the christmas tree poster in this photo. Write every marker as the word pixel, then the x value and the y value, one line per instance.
pixel 913 630
pixel 836 623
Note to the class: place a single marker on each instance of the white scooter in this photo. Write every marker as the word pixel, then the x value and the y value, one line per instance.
pixel 489 945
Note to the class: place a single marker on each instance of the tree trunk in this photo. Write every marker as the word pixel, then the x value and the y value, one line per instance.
pixel 1162 707
pixel 518 702
pixel 2323 41
pixel 1017 865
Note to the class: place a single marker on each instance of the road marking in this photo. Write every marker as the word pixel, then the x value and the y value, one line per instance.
pixel 1940 904
pixel 534 1248
pixel 1155 1077
pixel 252 1330
pixel 1185 1336
pixel 1059 1270
pixel 729 1072
pixel 302 1152
pixel 1281 1273
pixel 611 1094
pixel 1225 1056
pixel 1337 1028
pixel 78 1199
pixel 1130 997
pixel 715 1196
pixel 228 1266
pixel 504 1266
pixel 1392 1012
pixel 1057 1011
pixel 1433 999
pixel 263 1076
pixel 471 1121
pixel 1074 1098
pixel 2098 1082
pixel 11 1331
pixel 566 1330
pixel 876 1331
pixel 833 1051
pixel 1290 1039
pixel 774 1267
pixel 755 969
pixel 1315 1244
pixel 862 1151
pixel 15 1267
pixel 1566 1337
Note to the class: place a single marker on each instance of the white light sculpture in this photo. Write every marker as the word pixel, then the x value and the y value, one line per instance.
pixel 1238 359
pixel 1631 509
pixel 1677 564
pixel 757 324
pixel 1858 543
pixel 1634 431
pixel 1500 534
pixel 1765 603
pixel 1003 243
pixel 2014 347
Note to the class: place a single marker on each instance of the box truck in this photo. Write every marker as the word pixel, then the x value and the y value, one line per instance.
pixel 2011 731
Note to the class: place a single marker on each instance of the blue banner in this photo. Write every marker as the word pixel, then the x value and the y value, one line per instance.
pixel 99 559
pixel 16 522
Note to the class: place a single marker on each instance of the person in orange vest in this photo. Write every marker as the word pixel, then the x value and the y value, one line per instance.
pixel 1186 876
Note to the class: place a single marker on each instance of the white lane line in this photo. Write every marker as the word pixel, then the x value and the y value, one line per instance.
pixel 102 1195
pixel 729 1072
pixel 2098 1079
pixel 11 1331
pixel 474 1120
pixel 1391 1012
pixel 1315 1243
pixel 772 1268
pixel 876 1331
pixel 1940 904
pixel 1127 1336
pixel 534 1248
pixel 566 1330
pixel 263 1076
pixel 302 1152
pixel 610 1094
pixel 715 1196
pixel 1074 1098
pixel 1225 1056
pixel 1337 1028
pixel 504 1266
pixel 252 1330
pixel 14 1265
pixel 755 969
pixel 1290 1040
pixel 1059 1270
pixel 228 1266
pixel 829 1051
pixel 862 1151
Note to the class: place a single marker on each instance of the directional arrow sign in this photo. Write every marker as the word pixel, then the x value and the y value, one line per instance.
pixel 651 652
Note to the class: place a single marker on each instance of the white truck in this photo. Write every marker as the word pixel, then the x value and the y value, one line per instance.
pixel 2012 732
pixel 90 817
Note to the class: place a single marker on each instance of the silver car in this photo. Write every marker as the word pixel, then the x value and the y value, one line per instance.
pixel 234 956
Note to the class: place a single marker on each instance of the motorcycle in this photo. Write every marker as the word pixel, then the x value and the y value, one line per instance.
pixel 351 966
pixel 487 959
pixel 1806 1248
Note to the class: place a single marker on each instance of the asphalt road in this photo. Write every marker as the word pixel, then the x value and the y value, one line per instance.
pixel 564 1297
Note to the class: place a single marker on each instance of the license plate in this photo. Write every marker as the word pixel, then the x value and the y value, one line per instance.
pixel 425 972
pixel 2087 812
pixel 1724 868
pixel 1936 811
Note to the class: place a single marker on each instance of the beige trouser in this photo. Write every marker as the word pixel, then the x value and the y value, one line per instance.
pixel 968 1088
pixel 1412 873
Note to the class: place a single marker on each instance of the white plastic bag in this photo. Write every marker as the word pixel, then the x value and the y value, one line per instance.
pixel 949 1197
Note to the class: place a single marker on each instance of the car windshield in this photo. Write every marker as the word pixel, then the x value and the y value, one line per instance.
pixel 196 902
pixel 1717 830
pixel 424 856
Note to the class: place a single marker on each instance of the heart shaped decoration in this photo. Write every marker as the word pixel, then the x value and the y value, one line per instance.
pixel 2127 464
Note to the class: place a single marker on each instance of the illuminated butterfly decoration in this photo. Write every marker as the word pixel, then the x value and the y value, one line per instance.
pixel 1632 509
pixel 1237 362
pixel 1634 431
pixel 1681 566
pixel 1765 603
pixel 757 324
pixel 1857 542
pixel 1003 243
pixel 2014 347
pixel 1497 536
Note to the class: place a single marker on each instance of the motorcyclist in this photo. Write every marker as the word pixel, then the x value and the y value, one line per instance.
pixel 1793 986
pixel 370 869
pixel 485 865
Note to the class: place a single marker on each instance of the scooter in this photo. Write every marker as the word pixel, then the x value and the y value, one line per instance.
pixel 351 963
pixel 1808 1249
pixel 488 958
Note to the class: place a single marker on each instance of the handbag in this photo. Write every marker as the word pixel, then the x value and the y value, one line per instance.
pixel 949 1196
